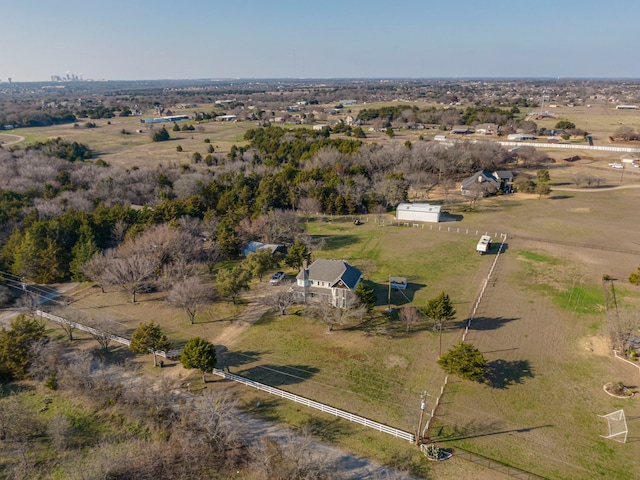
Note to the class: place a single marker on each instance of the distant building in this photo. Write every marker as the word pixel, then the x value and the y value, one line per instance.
pixel 626 107
pixel 168 118
pixel 461 130
pixel 487 129
pixel 482 184
pixel 253 247
pixel 226 118
pixel 418 212
pixel 519 137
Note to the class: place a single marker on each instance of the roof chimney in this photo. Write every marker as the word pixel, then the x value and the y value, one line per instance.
pixel 305 264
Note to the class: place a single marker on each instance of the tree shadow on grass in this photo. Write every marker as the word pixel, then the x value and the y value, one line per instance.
pixel 486 323
pixel 333 242
pixel 398 297
pixel 238 358
pixel 265 409
pixel 502 373
pixel 277 375
pixel 329 430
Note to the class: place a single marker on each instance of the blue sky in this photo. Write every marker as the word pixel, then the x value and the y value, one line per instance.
pixel 190 39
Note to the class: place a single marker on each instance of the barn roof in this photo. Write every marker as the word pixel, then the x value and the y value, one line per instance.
pixel 420 207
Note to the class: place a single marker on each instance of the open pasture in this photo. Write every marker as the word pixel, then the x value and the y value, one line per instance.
pixel 541 326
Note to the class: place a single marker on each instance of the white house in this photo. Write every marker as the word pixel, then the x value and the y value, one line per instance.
pixel 334 281
pixel 418 212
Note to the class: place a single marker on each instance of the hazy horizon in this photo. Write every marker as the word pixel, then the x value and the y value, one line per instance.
pixel 285 39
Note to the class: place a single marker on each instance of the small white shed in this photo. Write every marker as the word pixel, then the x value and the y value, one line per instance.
pixel 418 212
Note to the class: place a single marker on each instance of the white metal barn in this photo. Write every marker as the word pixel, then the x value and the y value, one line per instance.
pixel 418 212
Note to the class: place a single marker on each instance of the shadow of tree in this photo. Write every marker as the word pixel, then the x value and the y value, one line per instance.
pixel 238 358
pixel 277 375
pixel 502 373
pixel 333 242
pixel 398 297
pixel 485 323
pixel 329 430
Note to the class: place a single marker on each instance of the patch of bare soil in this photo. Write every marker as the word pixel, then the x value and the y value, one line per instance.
pixel 597 345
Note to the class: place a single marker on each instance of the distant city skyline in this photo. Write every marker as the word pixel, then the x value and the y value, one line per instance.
pixel 197 39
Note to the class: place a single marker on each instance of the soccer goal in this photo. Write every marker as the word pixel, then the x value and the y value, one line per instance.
pixel 617 423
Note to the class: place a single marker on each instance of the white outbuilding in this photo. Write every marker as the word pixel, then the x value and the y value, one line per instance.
pixel 418 212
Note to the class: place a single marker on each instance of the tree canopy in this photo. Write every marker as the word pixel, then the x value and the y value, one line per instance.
pixel 149 337
pixel 15 347
pixel 466 361
pixel 199 354
pixel 440 310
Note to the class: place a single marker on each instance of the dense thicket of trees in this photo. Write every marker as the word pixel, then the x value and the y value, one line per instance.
pixel 59 208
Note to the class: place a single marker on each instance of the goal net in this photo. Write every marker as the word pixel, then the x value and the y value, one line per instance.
pixel 617 426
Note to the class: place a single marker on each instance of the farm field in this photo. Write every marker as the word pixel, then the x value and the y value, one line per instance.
pixel 541 326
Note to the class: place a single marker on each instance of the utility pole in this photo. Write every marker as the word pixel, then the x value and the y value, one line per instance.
pixel 423 405
pixel 389 296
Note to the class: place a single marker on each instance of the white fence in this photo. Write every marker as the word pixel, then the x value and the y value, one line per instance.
pixel 93 331
pixel 318 406
pixel 603 148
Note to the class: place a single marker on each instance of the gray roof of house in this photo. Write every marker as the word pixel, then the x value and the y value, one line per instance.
pixel 331 271
pixel 482 176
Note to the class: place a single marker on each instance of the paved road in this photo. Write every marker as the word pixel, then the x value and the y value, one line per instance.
pixel 9 314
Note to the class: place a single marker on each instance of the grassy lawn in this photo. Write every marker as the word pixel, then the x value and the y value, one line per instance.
pixel 540 314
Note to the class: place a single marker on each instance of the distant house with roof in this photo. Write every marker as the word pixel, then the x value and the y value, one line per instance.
pixel 253 247
pixel 483 183
pixel 461 130
pixel 487 129
pixel 631 158
pixel 332 281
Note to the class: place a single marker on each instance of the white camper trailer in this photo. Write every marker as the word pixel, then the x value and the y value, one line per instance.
pixel 484 245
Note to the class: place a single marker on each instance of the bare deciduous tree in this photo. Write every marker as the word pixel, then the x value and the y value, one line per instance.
pixel 59 430
pixel 279 301
pixel 104 328
pixel 410 316
pixel 308 206
pixel 294 457
pixel 190 294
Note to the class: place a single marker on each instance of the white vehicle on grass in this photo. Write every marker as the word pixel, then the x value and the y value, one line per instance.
pixel 277 278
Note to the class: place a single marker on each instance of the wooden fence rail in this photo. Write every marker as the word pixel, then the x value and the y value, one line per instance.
pixel 318 406
pixel 93 331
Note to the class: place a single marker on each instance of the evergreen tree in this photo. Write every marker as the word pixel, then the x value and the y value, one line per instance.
pixel 161 135
pixel 149 337
pixel 82 251
pixel 15 347
pixel 200 354
pixel 367 296
pixel 466 361
pixel 297 254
